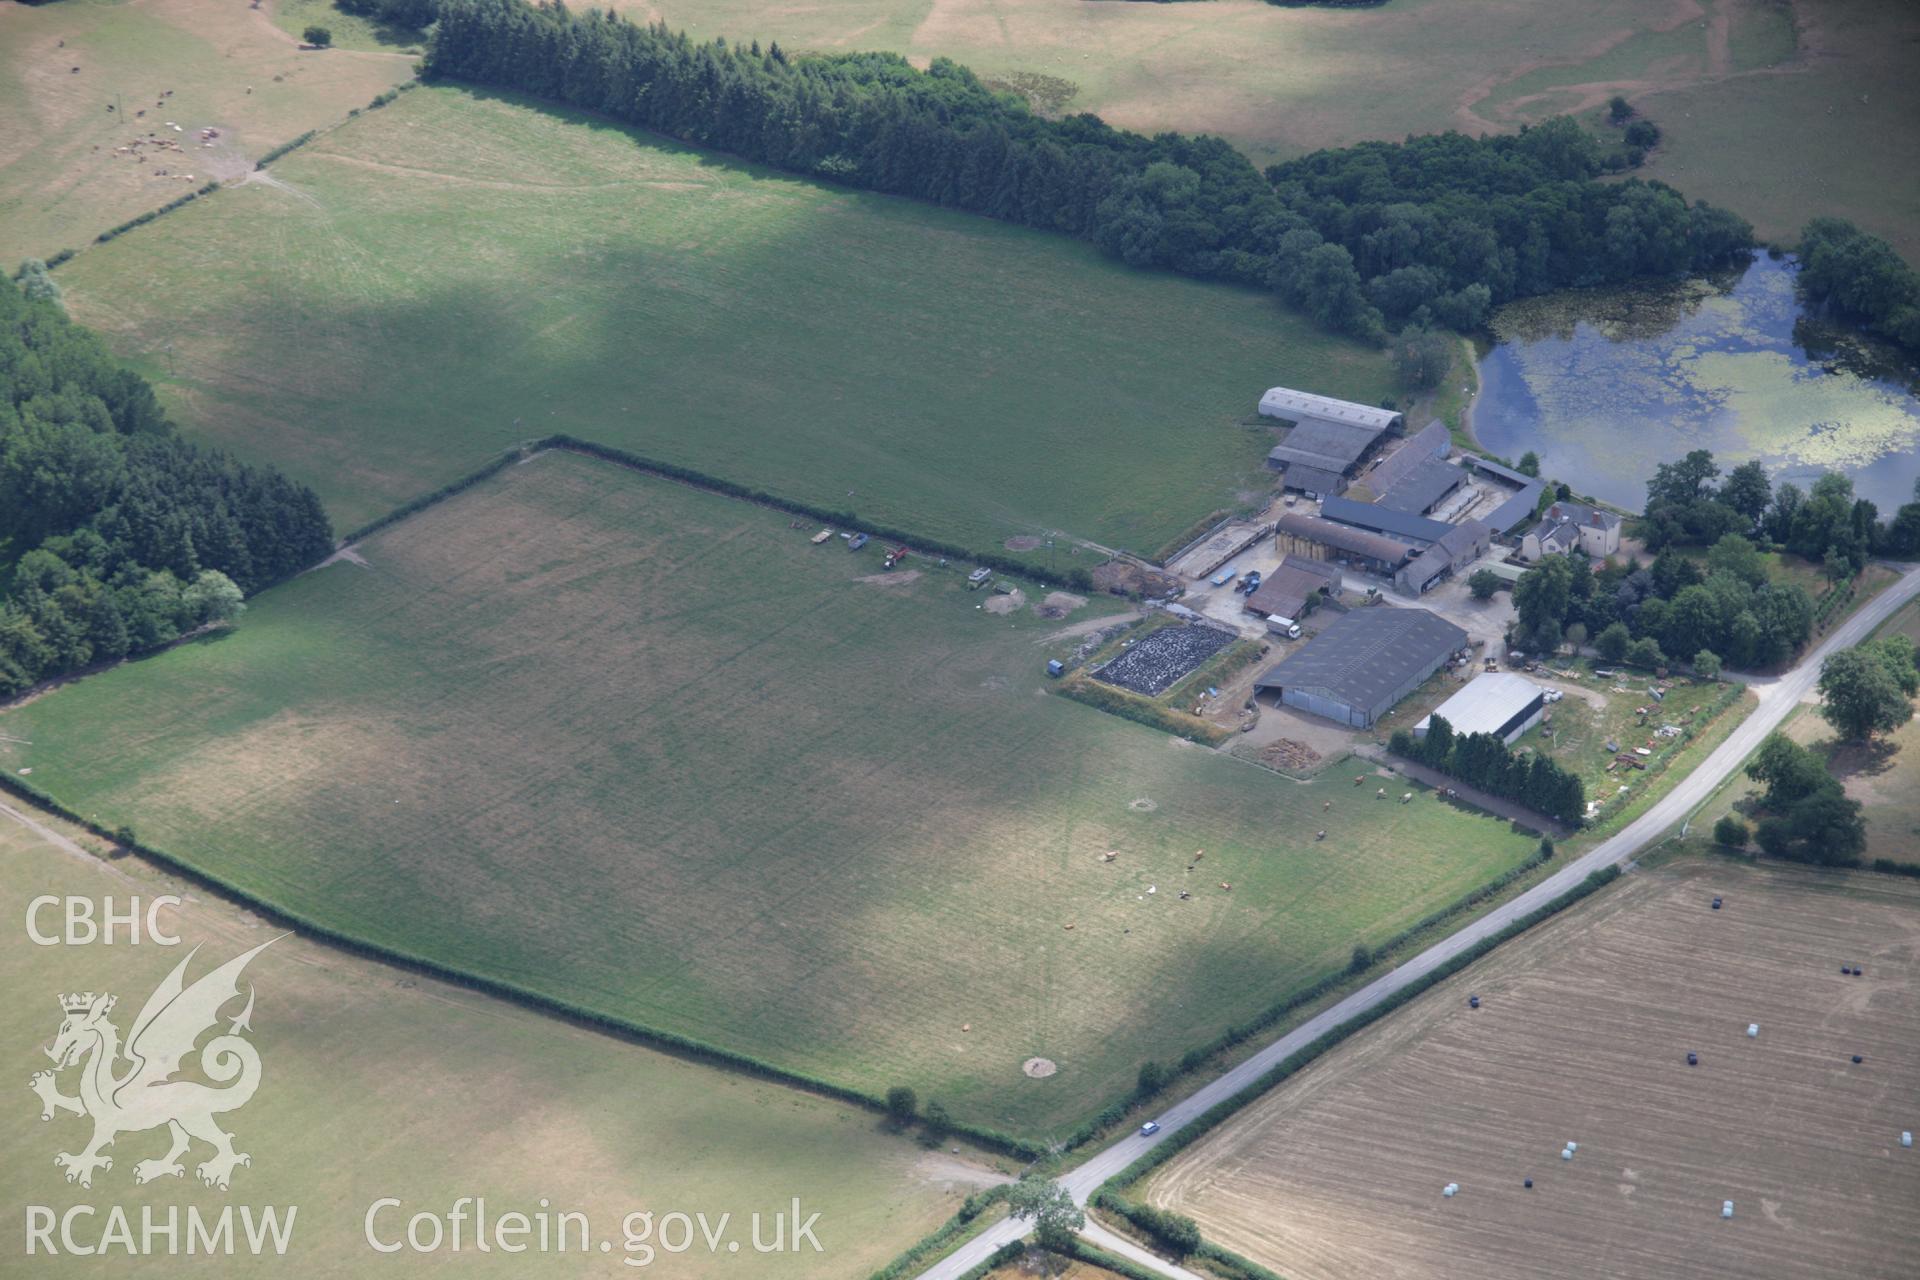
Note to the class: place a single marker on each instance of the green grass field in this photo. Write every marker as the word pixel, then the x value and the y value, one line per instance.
pixel 62 179
pixel 378 1083
pixel 439 279
pixel 648 750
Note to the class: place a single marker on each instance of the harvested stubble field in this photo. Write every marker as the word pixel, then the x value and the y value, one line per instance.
pixel 436 281
pixel 61 180
pixel 1582 1036
pixel 373 1083
pixel 646 749
pixel 1779 110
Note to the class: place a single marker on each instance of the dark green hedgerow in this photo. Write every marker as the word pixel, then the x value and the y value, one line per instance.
pixel 998 1258
pixel 114 232
pixel 439 495
pixel 291 144
pixel 1146 711
pixel 1078 578
pixel 1094 1256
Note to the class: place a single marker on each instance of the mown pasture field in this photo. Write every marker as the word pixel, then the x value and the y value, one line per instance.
pixel 1582 1036
pixel 377 1082
pixel 440 279
pixel 648 750
pixel 62 181
pixel 1779 110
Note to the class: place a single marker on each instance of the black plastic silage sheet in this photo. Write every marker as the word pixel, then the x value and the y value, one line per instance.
pixel 1153 666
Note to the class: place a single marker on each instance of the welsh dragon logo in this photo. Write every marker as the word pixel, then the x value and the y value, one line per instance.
pixel 129 1089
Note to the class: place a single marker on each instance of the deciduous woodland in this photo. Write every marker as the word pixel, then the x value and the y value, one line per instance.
pixel 116 535
pixel 1362 238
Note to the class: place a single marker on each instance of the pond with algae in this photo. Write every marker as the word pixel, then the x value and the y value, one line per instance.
pixel 1606 384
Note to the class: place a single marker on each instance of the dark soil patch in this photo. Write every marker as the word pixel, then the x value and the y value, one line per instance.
pixel 1124 577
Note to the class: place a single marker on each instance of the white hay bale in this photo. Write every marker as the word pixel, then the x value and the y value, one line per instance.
pixel 1450 1190
pixel 1906 1138
pixel 1753 1030
pixel 1726 1208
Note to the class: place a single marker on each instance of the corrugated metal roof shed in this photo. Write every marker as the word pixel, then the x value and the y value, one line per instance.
pixel 1499 469
pixel 1331 572
pixel 1367 657
pixel 1421 486
pixel 1285 591
pixel 1428 443
pixel 1374 517
pixel 1315 480
pixel 1332 446
pixel 1294 406
pixel 1486 704
pixel 1518 508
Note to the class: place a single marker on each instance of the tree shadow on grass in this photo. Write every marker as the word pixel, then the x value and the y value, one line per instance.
pixel 1849 760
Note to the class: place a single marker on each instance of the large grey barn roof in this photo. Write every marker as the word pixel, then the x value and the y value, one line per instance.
pixel 1366 657
pixel 1379 519
pixel 1294 406
pixel 1342 538
pixel 1330 446
pixel 1425 445
pixel 1487 702
pixel 1422 485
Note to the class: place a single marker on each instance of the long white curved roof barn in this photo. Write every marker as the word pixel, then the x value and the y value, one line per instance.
pixel 1284 402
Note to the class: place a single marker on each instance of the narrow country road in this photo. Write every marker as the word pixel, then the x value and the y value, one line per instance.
pixel 1778 696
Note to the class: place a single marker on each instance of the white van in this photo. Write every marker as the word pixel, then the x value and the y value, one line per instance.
pixel 1279 626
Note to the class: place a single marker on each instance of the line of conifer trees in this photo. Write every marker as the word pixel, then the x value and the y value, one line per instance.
pixel 1484 761
pixel 1437 228
pixel 116 535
